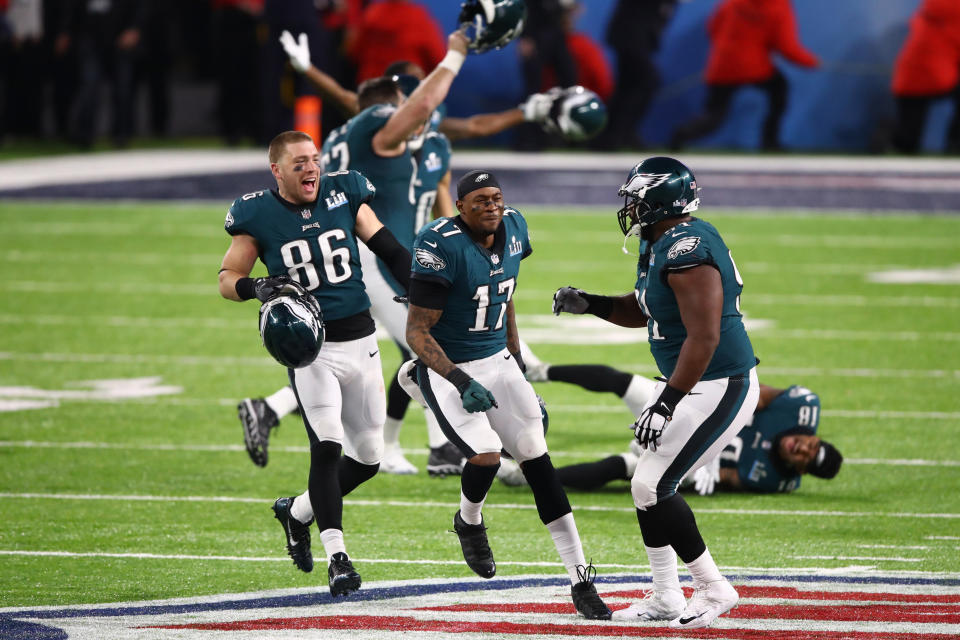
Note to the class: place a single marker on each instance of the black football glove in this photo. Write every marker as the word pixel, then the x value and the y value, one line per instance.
pixel 273 286
pixel 649 427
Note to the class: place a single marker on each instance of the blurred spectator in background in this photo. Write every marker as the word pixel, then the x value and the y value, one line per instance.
pixel 21 41
pixel 744 35
pixel 237 47
pixel 155 63
pixel 395 30
pixel 105 36
pixel 633 33
pixel 543 44
pixel 63 64
pixel 927 69
pixel 281 86
pixel 589 60
pixel 339 18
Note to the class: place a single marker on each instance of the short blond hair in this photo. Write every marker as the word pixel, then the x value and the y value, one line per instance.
pixel 279 144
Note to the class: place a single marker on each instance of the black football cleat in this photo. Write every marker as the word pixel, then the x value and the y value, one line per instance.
pixel 445 460
pixel 257 419
pixel 476 549
pixel 297 534
pixel 585 597
pixel 344 579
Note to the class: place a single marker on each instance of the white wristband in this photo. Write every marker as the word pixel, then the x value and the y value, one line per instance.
pixel 453 61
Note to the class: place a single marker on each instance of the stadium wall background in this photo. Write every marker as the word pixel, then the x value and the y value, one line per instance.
pixel 844 105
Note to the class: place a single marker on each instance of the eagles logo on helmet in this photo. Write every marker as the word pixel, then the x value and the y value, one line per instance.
pixel 291 328
pixel 492 24
pixel 576 114
pixel 656 189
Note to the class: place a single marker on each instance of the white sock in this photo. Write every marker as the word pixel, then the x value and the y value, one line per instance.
pixel 663 566
pixel 301 509
pixel 434 434
pixel 470 511
pixel 528 356
pixel 567 541
pixel 630 460
pixel 391 432
pixel 332 540
pixel 704 569
pixel 283 402
pixel 638 393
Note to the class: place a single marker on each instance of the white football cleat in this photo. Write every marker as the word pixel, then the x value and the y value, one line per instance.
pixel 666 604
pixel 710 600
pixel 394 462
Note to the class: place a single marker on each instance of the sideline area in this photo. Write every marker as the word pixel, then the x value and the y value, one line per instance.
pixel 863 183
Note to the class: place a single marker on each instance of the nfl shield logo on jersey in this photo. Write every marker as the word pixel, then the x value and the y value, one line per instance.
pixel 305 213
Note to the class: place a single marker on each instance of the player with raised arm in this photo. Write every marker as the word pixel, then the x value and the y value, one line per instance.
pixel 462 326
pixel 412 185
pixel 687 294
pixel 307 232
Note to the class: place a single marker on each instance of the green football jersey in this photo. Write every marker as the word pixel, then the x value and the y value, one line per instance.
pixel 351 147
pixel 751 452
pixel 433 162
pixel 480 282
pixel 684 246
pixel 315 244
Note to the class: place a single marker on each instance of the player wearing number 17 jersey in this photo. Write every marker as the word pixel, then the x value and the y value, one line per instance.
pixel 687 294
pixel 306 232
pixel 461 325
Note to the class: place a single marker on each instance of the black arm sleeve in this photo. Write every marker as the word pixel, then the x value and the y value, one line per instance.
pixel 398 259
pixel 428 293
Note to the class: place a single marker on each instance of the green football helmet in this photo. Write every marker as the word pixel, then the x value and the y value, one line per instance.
pixel 492 24
pixel 576 114
pixel 656 189
pixel 291 328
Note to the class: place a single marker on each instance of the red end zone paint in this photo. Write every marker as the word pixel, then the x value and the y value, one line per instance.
pixel 855 613
pixel 391 623
pixel 792 593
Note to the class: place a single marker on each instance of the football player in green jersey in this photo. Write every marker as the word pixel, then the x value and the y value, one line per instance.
pixel 770 454
pixel 405 202
pixel 687 294
pixel 461 324
pixel 306 232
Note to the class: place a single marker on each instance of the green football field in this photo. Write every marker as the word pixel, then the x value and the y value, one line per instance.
pixel 109 492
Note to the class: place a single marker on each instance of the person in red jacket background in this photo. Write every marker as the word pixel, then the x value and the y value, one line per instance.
pixel 744 35
pixel 589 60
pixel 395 30
pixel 928 68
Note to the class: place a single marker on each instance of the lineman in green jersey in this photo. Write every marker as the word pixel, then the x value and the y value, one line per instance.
pixel 306 232
pixel 461 324
pixel 687 294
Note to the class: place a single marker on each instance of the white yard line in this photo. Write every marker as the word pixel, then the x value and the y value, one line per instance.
pixel 38 444
pixel 524 321
pixel 642 368
pixel 450 505
pixel 859 558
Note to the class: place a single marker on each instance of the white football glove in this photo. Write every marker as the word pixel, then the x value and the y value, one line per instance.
pixel 536 107
pixel 571 300
pixel 648 429
pixel 299 52
pixel 705 478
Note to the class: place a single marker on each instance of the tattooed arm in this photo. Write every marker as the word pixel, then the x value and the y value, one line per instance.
pixel 419 322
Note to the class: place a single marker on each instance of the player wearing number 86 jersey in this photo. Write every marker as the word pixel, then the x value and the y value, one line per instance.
pixel 312 242
pixel 307 230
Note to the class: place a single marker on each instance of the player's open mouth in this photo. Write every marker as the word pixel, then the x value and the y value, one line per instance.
pixel 309 185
